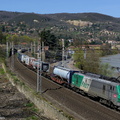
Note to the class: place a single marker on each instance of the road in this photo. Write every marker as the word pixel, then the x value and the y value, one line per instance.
pixel 78 106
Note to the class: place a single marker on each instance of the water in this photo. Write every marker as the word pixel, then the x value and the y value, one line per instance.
pixel 113 61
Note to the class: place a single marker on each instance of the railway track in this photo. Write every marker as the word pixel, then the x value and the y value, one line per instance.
pixel 78 106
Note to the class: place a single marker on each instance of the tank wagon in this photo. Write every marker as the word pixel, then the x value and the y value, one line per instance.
pixel 62 75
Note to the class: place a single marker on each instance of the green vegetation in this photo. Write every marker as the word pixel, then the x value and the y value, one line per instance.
pixel 106 50
pixel 32 118
pixel 89 61
pixel 19 39
pixel 1 71
pixel 2 54
pixel 101 27
pixel 2 38
pixel 105 69
pixel 35 113
pixel 49 39
pixel 32 107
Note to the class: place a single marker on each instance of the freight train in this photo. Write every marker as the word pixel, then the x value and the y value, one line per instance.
pixel 104 89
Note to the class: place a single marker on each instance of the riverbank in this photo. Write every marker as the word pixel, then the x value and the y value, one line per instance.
pixel 114 62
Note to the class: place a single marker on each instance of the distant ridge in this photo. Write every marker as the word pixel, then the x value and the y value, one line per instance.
pixel 93 17
pixel 6 15
pixel 64 24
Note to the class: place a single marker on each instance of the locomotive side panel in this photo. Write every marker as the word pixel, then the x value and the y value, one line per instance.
pixel 76 80
pixel 81 81
pixel 99 89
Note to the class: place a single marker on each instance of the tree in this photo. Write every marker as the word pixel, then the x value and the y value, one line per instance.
pixel 90 62
pixel 49 39
pixel 79 58
pixel 2 54
pixel 106 70
pixel 19 39
pixel 2 38
pixel 87 60
pixel 106 49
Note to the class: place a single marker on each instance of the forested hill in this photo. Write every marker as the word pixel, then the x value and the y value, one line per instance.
pixel 6 16
pixel 63 24
pixel 93 17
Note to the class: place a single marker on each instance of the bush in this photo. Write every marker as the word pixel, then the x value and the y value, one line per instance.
pixel 2 54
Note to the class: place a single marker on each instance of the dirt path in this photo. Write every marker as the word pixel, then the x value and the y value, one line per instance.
pixel 14 105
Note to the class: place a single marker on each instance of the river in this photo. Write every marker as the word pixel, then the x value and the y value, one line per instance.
pixel 113 61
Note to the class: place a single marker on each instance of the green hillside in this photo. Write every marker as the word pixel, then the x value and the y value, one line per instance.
pixel 83 26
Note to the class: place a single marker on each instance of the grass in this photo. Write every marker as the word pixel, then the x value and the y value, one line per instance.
pixel 2 71
pixel 33 109
pixel 32 118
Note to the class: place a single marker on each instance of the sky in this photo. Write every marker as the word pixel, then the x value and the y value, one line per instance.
pixel 107 7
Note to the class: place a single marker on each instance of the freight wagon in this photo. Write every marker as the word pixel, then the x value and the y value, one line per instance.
pixel 106 90
pixel 62 75
pixel 33 63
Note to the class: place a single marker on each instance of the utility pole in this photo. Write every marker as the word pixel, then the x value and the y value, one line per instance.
pixel 12 62
pixel 84 53
pixel 34 47
pixel 63 53
pixel 43 52
pixel 31 47
pixel 6 50
pixel 39 78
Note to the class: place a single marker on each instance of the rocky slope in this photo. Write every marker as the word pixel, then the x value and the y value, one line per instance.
pixel 14 105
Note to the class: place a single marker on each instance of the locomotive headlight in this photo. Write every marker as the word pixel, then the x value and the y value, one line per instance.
pixel 114 95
